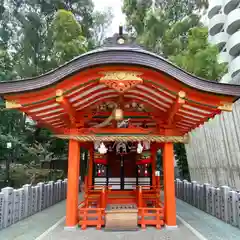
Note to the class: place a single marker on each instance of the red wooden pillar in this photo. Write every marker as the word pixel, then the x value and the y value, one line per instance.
pixel 154 156
pixel 169 186
pixel 73 184
pixel 90 169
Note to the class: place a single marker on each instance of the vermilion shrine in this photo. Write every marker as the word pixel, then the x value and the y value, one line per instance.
pixel 122 103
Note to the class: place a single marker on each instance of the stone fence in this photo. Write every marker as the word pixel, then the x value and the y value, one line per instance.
pixel 17 204
pixel 223 202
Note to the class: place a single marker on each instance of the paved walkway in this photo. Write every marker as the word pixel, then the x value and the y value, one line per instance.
pixel 181 233
pixel 191 221
pixel 210 227
pixel 32 227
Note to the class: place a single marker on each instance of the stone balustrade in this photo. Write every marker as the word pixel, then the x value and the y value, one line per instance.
pixel 17 204
pixel 222 202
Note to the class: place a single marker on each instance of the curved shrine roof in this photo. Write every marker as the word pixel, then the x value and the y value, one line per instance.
pixel 173 98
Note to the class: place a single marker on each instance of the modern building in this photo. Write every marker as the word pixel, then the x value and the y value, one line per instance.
pixel 224 31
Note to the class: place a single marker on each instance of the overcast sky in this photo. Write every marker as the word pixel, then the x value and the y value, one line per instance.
pixel 116 6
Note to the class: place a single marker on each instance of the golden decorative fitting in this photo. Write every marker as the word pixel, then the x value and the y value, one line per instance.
pixel 12 104
pixel 182 94
pixel 118 115
pixel 228 107
pixel 121 80
pixel 121 41
pixel 59 95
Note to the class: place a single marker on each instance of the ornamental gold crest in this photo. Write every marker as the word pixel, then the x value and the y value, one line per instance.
pixel 121 80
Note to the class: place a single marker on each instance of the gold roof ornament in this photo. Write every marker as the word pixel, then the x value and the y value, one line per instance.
pixel 121 80
pixel 228 107
pixel 12 105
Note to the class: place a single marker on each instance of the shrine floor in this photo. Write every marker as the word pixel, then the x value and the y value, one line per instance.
pixel 193 224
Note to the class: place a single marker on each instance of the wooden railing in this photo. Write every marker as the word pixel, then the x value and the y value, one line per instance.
pixel 92 210
pixel 153 216
pixel 150 216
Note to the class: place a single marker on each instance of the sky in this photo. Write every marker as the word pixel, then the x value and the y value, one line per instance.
pixel 116 6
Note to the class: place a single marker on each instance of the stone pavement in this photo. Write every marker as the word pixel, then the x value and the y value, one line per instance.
pixel 32 227
pixel 209 227
pixel 181 233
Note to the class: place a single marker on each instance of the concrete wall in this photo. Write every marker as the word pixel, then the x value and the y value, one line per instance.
pixel 214 150
pixel 223 202
pixel 17 204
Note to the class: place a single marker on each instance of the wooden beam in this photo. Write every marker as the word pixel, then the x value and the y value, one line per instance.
pixel 175 107
pixel 66 105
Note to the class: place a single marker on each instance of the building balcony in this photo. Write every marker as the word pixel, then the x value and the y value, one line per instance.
pixel 224 57
pixel 220 39
pixel 226 78
pixel 234 67
pixel 233 44
pixel 214 7
pixel 232 23
pixel 216 23
pixel 230 5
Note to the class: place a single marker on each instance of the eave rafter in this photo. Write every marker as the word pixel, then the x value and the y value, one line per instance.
pixel 40 122
pixel 66 105
pixel 175 108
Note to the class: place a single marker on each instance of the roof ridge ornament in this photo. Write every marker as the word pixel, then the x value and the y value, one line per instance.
pixel 120 40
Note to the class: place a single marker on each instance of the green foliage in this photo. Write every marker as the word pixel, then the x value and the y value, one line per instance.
pixel 67 39
pixel 35 37
pixel 199 57
pixel 172 28
pixel 101 22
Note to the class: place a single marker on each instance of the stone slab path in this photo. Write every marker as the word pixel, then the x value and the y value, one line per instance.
pixel 181 233
pixel 32 227
pixel 210 227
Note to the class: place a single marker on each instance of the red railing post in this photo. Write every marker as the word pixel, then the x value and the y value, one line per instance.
pixel 103 198
pixel 85 186
pixel 140 199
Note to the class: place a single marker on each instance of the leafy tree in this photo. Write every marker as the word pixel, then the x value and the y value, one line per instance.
pixel 101 22
pixel 35 37
pixel 6 66
pixel 157 27
pixel 172 28
pixel 199 57
pixel 67 39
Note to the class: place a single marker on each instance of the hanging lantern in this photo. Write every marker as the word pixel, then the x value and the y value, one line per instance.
pixel 99 172
pixel 118 114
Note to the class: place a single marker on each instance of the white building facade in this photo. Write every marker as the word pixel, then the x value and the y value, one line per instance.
pixel 224 31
